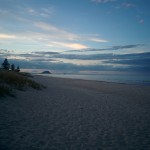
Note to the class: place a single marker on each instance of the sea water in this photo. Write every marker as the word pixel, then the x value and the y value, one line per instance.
pixel 118 77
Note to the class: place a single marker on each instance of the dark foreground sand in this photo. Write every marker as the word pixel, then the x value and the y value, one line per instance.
pixel 76 115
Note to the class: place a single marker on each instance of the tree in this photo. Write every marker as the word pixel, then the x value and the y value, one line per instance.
pixel 5 64
pixel 18 69
pixel 12 67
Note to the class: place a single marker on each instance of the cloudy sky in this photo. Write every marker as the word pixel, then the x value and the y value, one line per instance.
pixel 76 34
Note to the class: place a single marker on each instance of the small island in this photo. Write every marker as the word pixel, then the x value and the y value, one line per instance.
pixel 46 72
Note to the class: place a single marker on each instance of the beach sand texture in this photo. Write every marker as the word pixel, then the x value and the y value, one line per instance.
pixel 76 115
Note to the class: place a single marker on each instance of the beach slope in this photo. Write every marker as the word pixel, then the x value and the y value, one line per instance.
pixel 76 115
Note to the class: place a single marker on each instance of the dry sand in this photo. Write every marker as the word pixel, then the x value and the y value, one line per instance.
pixel 76 115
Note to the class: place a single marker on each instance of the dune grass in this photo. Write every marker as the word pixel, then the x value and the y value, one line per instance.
pixel 6 90
pixel 10 81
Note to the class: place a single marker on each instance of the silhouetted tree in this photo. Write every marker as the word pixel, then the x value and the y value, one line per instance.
pixel 18 69
pixel 12 67
pixel 5 64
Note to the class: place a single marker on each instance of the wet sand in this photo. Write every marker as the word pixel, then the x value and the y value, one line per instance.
pixel 76 115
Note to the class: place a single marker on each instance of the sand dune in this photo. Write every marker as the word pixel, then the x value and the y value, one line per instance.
pixel 76 115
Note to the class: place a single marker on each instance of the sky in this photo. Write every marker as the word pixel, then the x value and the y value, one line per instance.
pixel 76 35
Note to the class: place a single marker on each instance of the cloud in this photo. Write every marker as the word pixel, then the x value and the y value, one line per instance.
pixel 68 45
pixel 78 62
pixel 128 5
pixel 109 57
pixel 62 34
pixel 40 32
pixel 42 12
pixel 113 48
pixel 47 27
pixel 56 31
pixel 3 12
pixel 7 36
pixel 126 46
pixel 130 62
pixel 103 1
pixel 141 21
pixel 27 12
pixel 135 62
pixel 45 53
pixel 98 40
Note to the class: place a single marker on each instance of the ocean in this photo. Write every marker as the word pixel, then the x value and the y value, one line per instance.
pixel 118 77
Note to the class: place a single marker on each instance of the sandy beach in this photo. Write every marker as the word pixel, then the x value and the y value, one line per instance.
pixel 76 115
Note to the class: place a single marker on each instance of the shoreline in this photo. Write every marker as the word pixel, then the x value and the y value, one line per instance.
pixel 96 81
pixel 89 78
pixel 93 82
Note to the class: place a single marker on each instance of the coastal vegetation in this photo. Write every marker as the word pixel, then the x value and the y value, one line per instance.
pixel 12 80
pixel 6 66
